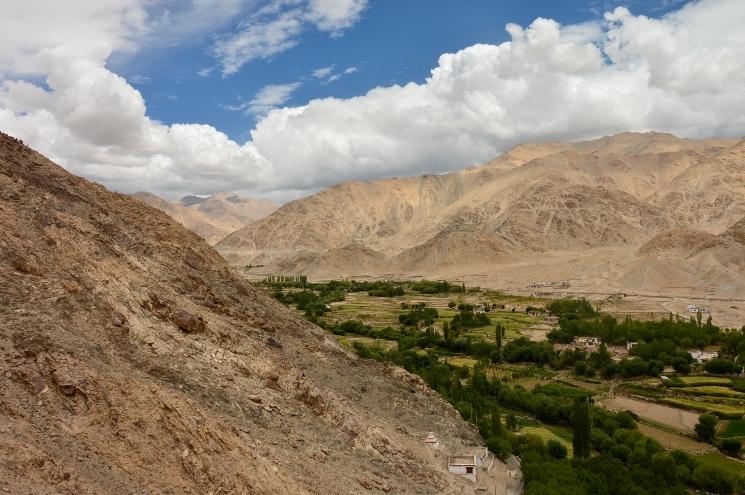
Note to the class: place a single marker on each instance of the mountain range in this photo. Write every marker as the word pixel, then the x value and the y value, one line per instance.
pixel 212 217
pixel 645 211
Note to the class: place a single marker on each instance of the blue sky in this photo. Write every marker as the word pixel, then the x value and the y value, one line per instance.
pixel 395 42
pixel 281 99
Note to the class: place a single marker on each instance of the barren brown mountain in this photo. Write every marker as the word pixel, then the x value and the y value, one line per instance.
pixel 212 217
pixel 132 360
pixel 600 213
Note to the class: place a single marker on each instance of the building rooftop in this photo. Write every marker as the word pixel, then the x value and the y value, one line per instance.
pixel 462 460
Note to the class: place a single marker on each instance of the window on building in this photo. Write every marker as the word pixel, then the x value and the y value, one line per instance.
pixel 469 469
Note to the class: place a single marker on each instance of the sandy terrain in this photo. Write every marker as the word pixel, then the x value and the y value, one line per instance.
pixel 673 441
pixel 670 416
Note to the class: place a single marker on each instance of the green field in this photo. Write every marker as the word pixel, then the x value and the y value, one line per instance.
pixel 381 312
pixel 703 380
pixel 720 409
pixel 349 340
pixel 547 434
pixel 734 429
pixel 712 390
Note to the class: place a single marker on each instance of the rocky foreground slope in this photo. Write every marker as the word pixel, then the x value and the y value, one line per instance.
pixel 212 217
pixel 528 215
pixel 132 360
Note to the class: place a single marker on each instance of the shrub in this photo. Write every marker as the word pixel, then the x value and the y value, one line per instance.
pixel 721 366
pixel 706 428
pixel 731 446
pixel 556 450
pixel 713 479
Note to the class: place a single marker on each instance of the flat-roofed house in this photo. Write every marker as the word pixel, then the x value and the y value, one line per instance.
pixel 466 464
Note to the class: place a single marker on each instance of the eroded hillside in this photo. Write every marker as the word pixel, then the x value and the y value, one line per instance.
pixel 132 360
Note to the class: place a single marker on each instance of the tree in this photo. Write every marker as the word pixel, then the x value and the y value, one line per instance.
pixel 451 304
pixel 496 422
pixel 681 365
pixel 511 422
pixel 601 358
pixel 720 366
pixel 713 479
pixel 556 450
pixel 706 428
pixel 582 426
pixel 446 331
pixel 580 368
pixel 498 335
pixel 731 446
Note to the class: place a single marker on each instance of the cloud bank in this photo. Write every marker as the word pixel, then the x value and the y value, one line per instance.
pixel 683 73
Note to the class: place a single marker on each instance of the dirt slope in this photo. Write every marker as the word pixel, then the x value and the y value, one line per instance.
pixel 212 217
pixel 132 360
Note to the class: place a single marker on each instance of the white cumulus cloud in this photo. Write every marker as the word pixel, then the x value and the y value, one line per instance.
pixel 682 73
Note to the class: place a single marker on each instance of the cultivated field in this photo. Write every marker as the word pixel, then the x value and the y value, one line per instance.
pixel 672 441
pixel 678 419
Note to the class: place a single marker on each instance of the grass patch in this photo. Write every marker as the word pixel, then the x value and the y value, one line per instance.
pixel 733 411
pixel 734 429
pixel 703 380
pixel 547 434
pixel 349 340
pixel 460 361
pixel 732 466
pixel 712 390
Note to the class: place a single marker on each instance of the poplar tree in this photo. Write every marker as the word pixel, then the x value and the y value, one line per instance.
pixel 496 422
pixel 498 335
pixel 582 426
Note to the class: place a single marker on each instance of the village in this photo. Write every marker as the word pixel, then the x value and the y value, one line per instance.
pixel 479 466
pixel 451 334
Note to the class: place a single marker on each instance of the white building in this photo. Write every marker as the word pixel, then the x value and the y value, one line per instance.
pixel 703 356
pixel 466 464
pixel 479 308
pixel 697 309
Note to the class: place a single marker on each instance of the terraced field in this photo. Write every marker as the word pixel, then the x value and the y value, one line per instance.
pixel 722 409
pixel 711 390
pixel 704 380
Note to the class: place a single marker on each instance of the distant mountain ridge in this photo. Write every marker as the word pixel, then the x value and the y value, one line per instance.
pixel 618 192
pixel 212 217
